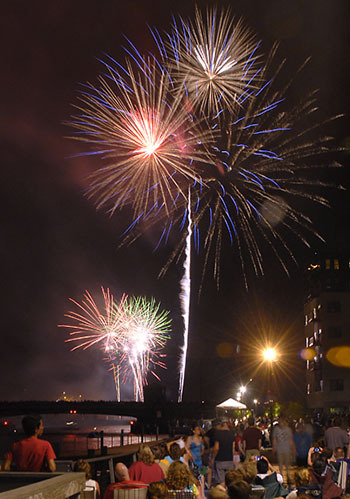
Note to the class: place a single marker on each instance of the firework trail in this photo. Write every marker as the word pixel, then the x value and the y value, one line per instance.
pixel 185 300
pixel 146 330
pixel 115 370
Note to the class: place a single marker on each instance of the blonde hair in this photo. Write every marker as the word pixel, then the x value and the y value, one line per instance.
pixel 157 490
pixel 179 476
pixel 248 471
pixel 232 476
pixel 146 455
pixel 302 477
pixel 217 493
pixel 83 466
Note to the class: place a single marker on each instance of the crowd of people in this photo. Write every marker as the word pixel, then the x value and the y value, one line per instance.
pixel 228 461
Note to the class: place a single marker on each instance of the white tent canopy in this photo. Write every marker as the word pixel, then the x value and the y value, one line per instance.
pixel 231 404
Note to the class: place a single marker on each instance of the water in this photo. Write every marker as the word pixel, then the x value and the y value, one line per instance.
pixel 78 434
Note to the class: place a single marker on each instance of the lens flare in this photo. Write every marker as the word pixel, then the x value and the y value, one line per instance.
pixel 339 356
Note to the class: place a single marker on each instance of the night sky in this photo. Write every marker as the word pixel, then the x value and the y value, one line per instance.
pixel 55 245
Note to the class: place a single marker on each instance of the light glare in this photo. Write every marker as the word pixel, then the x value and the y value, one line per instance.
pixel 270 355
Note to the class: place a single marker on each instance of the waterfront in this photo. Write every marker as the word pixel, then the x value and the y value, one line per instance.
pixel 79 434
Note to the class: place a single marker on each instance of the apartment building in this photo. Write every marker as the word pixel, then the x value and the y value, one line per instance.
pixel 327 330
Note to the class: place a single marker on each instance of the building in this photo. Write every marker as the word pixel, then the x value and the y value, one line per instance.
pixel 327 332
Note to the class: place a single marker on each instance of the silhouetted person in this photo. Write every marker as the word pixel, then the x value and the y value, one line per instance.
pixel 31 453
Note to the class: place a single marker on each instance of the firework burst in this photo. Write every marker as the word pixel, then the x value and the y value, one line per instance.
pixel 95 325
pixel 144 135
pixel 214 58
pixel 132 334
pixel 146 330
pixel 262 171
pixel 206 137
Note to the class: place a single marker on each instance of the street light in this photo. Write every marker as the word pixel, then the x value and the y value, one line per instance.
pixel 270 354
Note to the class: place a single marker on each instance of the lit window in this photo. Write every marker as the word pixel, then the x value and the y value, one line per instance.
pixel 321 385
pixel 336 264
pixel 308 390
pixel 305 320
pixel 314 312
pixel 306 342
pixel 328 264
pixel 311 341
pixel 307 364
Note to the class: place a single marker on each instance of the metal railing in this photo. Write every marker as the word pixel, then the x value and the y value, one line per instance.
pixel 90 444
pixel 102 467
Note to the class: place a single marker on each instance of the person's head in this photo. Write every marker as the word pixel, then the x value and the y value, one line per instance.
pixel 157 490
pixel 145 455
pixel 179 476
pixel 239 490
pixel 251 421
pixel 217 493
pixel 224 424
pixel 175 452
pixel 337 421
pixel 156 452
pixel 83 466
pixel 233 476
pixel 197 430
pixel 262 466
pixel 282 420
pixel 216 423
pixel 319 464
pixel 121 472
pixel 339 453
pixel 302 477
pixel 249 471
pixel 163 449
pixel 32 425
pixel 327 452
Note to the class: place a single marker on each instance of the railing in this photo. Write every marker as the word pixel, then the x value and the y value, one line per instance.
pixel 90 444
pixel 102 467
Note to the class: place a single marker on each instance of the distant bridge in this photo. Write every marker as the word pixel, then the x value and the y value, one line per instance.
pixel 143 411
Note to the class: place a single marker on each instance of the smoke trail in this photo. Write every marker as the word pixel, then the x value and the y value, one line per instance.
pixel 185 300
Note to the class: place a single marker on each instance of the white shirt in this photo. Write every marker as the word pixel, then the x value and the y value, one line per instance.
pixel 278 476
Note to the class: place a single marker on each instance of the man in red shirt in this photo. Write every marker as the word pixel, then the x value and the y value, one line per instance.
pixel 124 482
pixel 31 454
pixel 251 438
